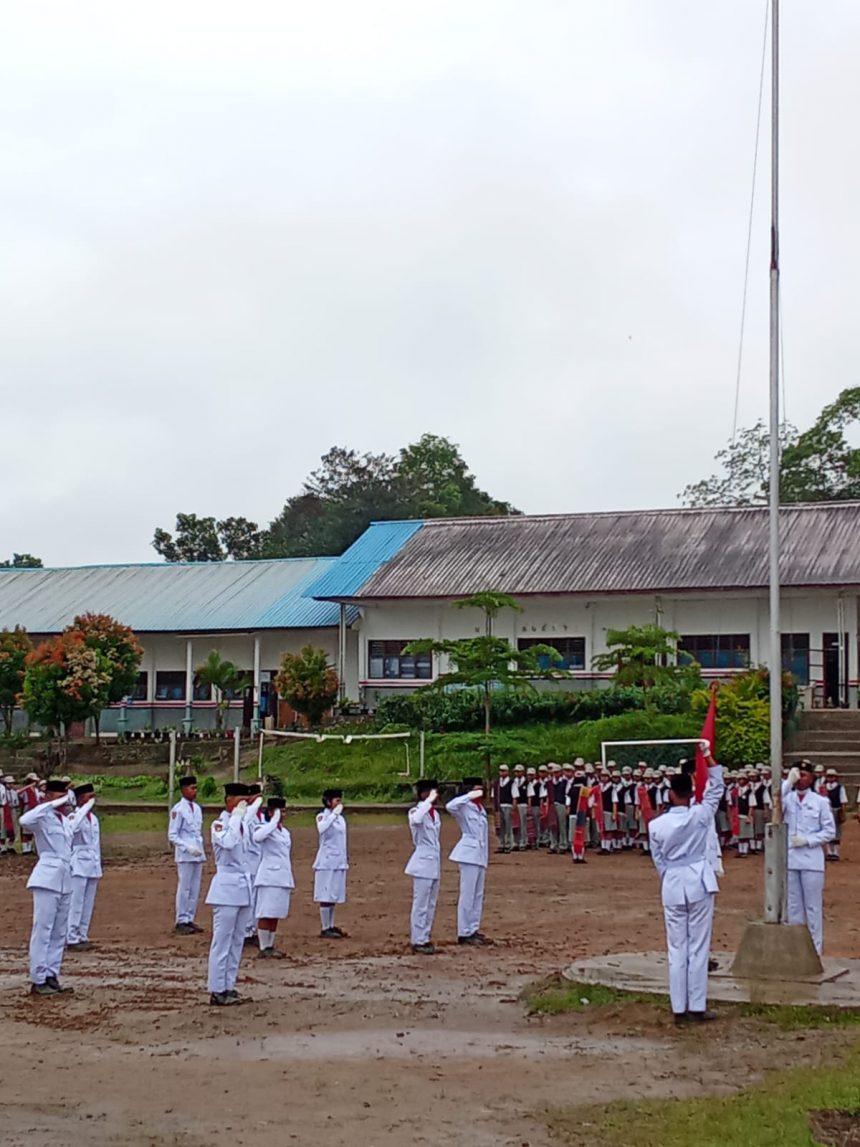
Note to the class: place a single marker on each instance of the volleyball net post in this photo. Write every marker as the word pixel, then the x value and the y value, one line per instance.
pixel 604 745
pixel 345 739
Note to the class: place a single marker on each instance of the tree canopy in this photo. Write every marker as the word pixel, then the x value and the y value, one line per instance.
pixel 337 502
pixel 22 562
pixel 818 465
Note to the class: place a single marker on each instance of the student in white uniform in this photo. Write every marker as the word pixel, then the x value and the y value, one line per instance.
pixel 51 885
pixel 185 833
pixel 471 853
pixel 681 850
pixel 273 883
pixel 331 864
pixel 425 865
pixel 86 871
pixel 253 819
pixel 809 819
pixel 230 896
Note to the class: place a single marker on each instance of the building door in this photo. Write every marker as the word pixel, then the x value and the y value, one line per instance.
pixel 835 670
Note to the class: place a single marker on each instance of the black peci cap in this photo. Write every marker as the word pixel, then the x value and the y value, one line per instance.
pixel 471 782
pixel 276 802
pixel 83 791
pixel 252 790
pixel 426 786
pixel 184 782
pixel 330 794
pixel 56 787
pixel 235 789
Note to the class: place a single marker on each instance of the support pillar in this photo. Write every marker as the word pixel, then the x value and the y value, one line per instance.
pixel 188 720
pixel 255 721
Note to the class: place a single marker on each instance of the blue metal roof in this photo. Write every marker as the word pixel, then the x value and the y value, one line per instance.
pixel 167 597
pixel 377 545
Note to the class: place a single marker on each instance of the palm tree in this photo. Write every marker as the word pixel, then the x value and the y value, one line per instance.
pixel 224 679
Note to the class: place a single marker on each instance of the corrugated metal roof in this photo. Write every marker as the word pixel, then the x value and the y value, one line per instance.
pixel 379 542
pixel 183 597
pixel 630 552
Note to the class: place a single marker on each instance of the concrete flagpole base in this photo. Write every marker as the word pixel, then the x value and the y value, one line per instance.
pixel 776 952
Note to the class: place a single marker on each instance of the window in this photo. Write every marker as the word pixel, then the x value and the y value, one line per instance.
pixel 571 649
pixel 715 650
pixel 200 692
pixel 795 656
pixel 247 682
pixel 386 659
pixel 170 685
pixel 140 690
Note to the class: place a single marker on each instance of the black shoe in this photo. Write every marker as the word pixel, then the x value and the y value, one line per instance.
pixel 472 940
pixel 196 927
pixel 184 929
pixel 331 934
pixel 43 990
pixel 270 954
pixel 343 935
pixel 424 949
pixel 79 946
pixel 251 942
pixel 500 849
pixel 681 1018
pixel 701 1017
pixel 232 994
pixel 713 965
pixel 54 983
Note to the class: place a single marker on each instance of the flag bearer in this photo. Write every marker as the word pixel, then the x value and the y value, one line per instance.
pixel 273 882
pixel 86 871
pixel 471 854
pixel 185 833
pixel 425 865
pixel 230 896
pixel 331 863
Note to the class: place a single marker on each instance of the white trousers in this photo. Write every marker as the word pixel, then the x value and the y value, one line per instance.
pixel 805 897
pixel 425 893
pixel 688 938
pixel 187 890
pixel 48 937
pixel 471 902
pixel 84 890
pixel 228 938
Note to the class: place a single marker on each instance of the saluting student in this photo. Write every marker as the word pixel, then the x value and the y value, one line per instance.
pixel 273 882
pixel 229 895
pixel 51 885
pixel 331 863
pixel 86 871
pixel 185 833
pixel 471 854
pixel 809 818
pixel 253 819
pixel 425 865
pixel 29 798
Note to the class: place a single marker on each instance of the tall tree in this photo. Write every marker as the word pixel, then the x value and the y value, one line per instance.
pixel 640 655
pixel 65 680
pixel 224 678
pixel 435 482
pixel 205 540
pixel 818 465
pixel 119 647
pixel 15 645
pixel 22 562
pixel 308 683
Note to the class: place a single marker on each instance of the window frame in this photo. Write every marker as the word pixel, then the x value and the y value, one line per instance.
pixel 721 654
pixel 390 657
pixel 524 643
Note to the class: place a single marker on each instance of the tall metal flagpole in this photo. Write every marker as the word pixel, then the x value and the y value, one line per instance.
pixel 775 842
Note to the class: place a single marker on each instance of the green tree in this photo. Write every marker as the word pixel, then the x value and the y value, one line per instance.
pixel 65 680
pixel 308 683
pixel 15 645
pixel 22 562
pixel 119 647
pixel 205 540
pixel 818 465
pixel 488 662
pixel 224 679
pixel 640 655
pixel 435 482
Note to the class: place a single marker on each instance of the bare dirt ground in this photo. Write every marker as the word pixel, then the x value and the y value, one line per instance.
pixel 359 1041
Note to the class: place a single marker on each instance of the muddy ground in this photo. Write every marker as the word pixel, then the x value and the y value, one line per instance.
pixel 359 1041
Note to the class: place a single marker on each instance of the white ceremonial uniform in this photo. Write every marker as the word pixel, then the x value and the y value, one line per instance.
pixel 230 897
pixel 425 868
pixel 274 879
pixel 808 817
pixel 86 874
pixel 51 884
pixel 682 850
pixel 185 833
pixel 330 863
pixel 471 853
pixel 253 819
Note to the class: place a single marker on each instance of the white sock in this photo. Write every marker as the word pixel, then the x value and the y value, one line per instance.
pixel 267 938
pixel 331 917
pixel 327 918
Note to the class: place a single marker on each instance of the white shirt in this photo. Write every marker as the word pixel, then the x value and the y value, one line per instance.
pixel 231 884
pixel 275 869
pixel 425 825
pixel 52 833
pixel 185 831
pixel 331 854
pixel 681 849
pixel 86 847
pixel 811 818
pixel 471 818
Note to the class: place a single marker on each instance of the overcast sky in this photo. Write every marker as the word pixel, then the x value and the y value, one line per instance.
pixel 236 234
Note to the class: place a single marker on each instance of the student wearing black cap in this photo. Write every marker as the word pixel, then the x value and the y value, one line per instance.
pixel 471 853
pixel 185 833
pixel 253 819
pixel 86 871
pixel 331 864
pixel 51 884
pixel 230 897
pixel 425 865
pixel 273 883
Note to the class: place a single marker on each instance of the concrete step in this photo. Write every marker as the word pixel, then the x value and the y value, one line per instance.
pixel 824 743
pixel 828 720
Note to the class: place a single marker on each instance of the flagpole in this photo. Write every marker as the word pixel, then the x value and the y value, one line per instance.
pixel 775 841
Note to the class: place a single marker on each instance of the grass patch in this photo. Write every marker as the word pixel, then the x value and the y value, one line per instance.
pixel 556 996
pixel 133 822
pixel 772 1114
pixel 791 1018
